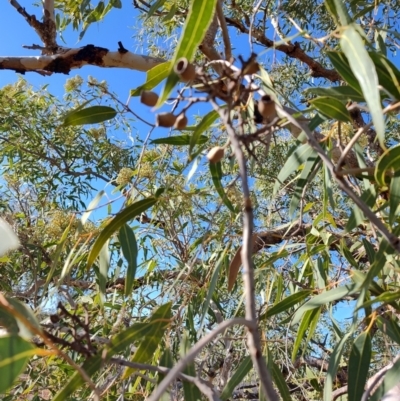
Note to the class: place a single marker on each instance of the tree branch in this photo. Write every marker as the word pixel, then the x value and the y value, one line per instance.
pixel 68 59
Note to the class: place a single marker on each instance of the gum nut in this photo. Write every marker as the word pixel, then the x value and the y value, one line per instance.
pixel 215 154
pixel 166 120
pixel 181 122
pixel 185 70
pixel 149 98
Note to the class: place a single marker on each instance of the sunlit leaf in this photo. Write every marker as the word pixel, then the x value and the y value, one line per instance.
pixel 116 223
pixel 359 361
pixel 130 251
pixel 388 163
pixel 178 140
pixel 15 353
pixel 91 115
pixel 240 373
pixel 364 70
pixel 154 76
pixel 331 108
pixel 198 20
pixel 216 175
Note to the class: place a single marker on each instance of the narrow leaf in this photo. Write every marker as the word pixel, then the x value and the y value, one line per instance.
pixel 323 299
pixel 299 155
pixel 130 251
pixel 359 363
pixel 118 221
pixel 216 175
pixel 286 304
pixel 389 162
pixel 204 124
pixel 91 115
pixel 178 140
pixel 343 93
pixel 154 76
pixel 199 18
pixel 365 72
pixel 15 353
pixel 332 108
pixel 240 373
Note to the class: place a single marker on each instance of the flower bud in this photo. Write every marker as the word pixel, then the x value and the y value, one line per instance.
pixel 185 70
pixel 165 120
pixel 181 122
pixel 149 98
pixel 215 154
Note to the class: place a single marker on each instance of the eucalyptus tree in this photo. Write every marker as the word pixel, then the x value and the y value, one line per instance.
pixel 248 252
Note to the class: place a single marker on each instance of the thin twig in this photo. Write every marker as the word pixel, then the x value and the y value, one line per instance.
pixel 189 357
pixel 253 336
pixel 34 329
pixel 224 29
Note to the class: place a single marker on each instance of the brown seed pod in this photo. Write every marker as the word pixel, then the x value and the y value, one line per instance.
pixel 266 107
pixel 215 154
pixel 181 121
pixel 165 120
pixel 185 70
pixel 149 98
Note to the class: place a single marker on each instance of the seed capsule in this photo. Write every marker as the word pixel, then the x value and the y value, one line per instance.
pixel 166 120
pixel 185 70
pixel 215 154
pixel 181 122
pixel 149 98
pixel 266 107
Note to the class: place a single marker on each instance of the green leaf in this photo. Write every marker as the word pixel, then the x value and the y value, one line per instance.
pixel 279 379
pixel 390 328
pixel 394 199
pixel 325 298
pixel 118 344
pixel 359 363
pixel 116 223
pixel 365 72
pixel 178 140
pixel 155 7
pixel 160 320
pixel 343 93
pixel 154 76
pixel 104 264
pixel 190 390
pixel 333 366
pixel 388 74
pixel 130 251
pixel 240 373
pixel 332 108
pixel 15 353
pixel 389 162
pixel 342 66
pixel 204 124
pixel 297 157
pixel 306 323
pixel 199 18
pixel 91 115
pixel 216 175
pixel 305 178
pixel 213 285
pixel 286 304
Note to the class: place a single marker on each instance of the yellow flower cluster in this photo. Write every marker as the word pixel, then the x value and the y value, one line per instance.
pixel 124 176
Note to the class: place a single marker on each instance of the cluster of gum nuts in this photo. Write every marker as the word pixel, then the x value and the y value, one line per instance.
pixel 186 73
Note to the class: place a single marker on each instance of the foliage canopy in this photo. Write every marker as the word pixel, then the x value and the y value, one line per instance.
pixel 245 247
